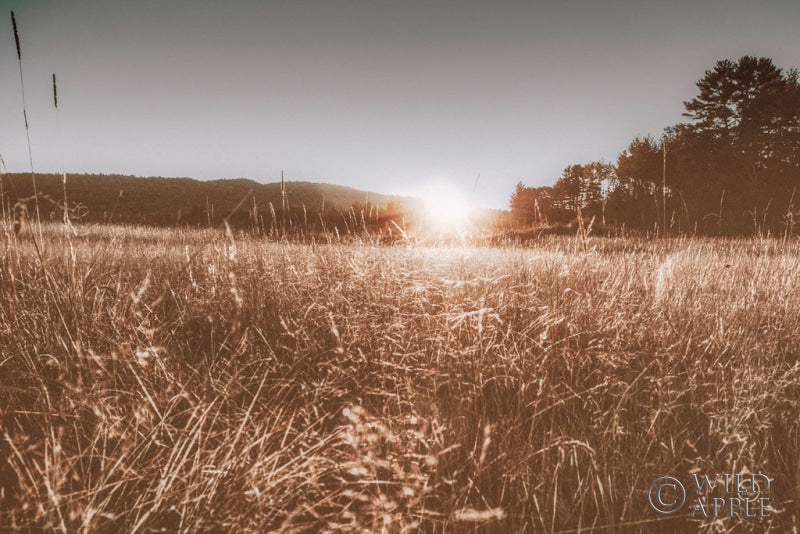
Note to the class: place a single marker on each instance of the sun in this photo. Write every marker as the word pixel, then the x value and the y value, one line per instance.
pixel 446 207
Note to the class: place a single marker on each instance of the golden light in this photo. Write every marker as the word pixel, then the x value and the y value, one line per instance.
pixel 446 208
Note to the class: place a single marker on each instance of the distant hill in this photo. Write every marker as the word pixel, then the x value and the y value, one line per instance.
pixel 169 201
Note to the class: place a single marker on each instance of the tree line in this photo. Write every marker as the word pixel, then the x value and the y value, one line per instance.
pixel 732 168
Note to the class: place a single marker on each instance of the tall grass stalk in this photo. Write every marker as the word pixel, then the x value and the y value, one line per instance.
pixel 65 218
pixel 2 190
pixel 25 115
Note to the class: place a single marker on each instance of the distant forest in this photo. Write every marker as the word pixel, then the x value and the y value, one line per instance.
pixel 294 207
pixel 732 168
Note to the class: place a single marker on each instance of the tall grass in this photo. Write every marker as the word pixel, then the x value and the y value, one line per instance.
pixel 198 381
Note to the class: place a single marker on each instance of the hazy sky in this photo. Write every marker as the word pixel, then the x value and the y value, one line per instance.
pixel 385 96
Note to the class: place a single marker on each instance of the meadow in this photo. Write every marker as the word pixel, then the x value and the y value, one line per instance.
pixel 164 380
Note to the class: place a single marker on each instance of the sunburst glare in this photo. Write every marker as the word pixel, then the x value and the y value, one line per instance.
pixel 446 207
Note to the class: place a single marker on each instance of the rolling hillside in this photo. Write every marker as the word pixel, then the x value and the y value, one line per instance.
pixel 169 201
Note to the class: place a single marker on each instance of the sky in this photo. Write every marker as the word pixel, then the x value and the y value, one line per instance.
pixel 387 96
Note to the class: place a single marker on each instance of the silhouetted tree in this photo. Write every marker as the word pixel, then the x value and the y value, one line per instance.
pixel 584 187
pixel 521 204
pixel 632 200
pixel 739 157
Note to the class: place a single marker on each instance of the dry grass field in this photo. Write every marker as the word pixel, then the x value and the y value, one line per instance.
pixel 158 380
